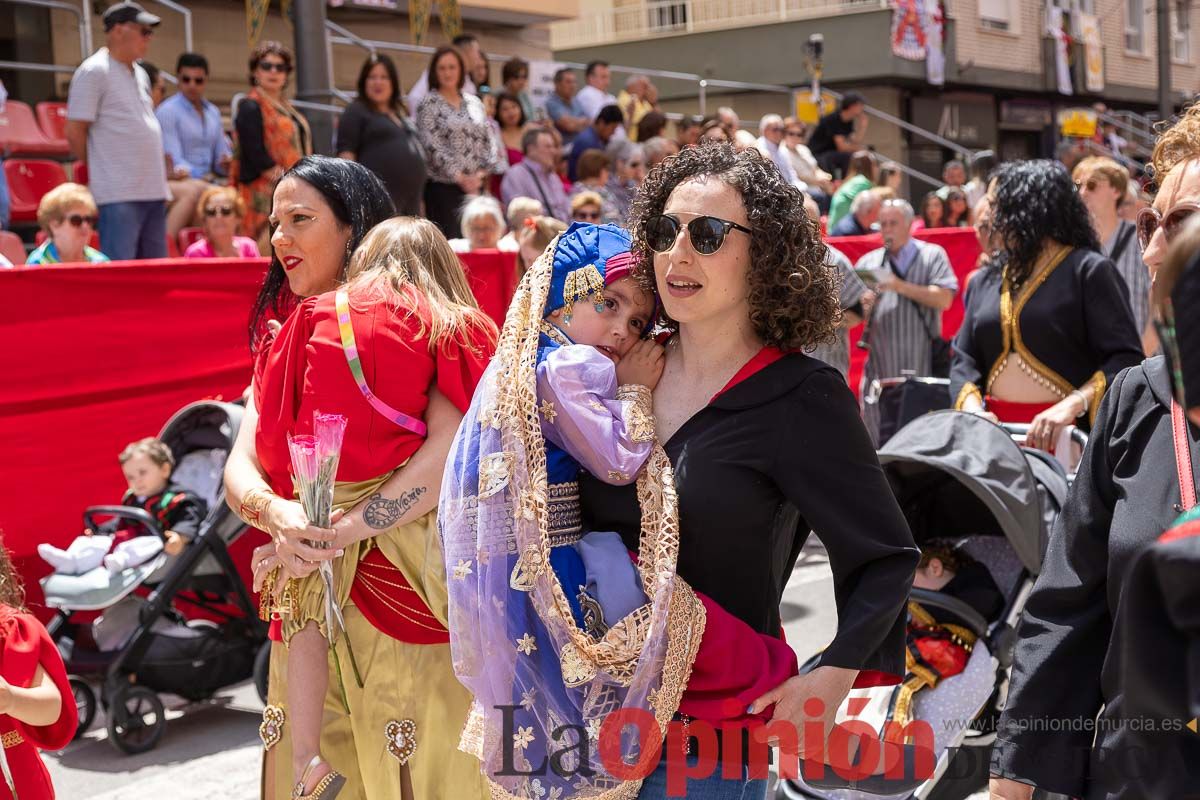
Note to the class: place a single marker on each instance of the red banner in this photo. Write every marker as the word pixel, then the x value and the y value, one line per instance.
pixel 962 248
pixel 97 356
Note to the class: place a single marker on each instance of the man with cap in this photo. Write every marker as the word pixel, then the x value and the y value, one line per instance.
pixel 111 125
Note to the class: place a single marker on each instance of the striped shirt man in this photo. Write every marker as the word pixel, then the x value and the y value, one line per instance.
pixel 901 329
pixel 1123 249
pixel 850 293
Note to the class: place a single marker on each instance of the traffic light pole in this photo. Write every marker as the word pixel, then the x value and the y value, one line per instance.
pixel 312 69
pixel 1166 107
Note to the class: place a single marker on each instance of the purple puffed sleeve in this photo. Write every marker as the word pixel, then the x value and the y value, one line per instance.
pixel 608 429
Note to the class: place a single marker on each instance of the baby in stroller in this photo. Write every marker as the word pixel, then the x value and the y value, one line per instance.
pixel 947 569
pixel 147 464
pixel 940 641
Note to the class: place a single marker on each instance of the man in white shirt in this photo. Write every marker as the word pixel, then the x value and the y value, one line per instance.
pixel 468 45
pixel 111 125
pixel 595 95
pixel 770 139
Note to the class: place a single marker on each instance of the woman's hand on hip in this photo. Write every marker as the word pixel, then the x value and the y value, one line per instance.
pixel 830 685
pixel 1007 789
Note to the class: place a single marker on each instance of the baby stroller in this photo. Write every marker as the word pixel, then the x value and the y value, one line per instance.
pixel 956 471
pixel 141 644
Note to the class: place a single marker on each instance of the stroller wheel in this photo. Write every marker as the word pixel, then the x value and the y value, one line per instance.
pixel 262 670
pixel 136 720
pixel 85 703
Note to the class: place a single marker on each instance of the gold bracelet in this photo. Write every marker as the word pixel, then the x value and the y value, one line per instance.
pixel 253 504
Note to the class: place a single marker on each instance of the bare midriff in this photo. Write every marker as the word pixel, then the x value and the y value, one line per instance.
pixel 1017 382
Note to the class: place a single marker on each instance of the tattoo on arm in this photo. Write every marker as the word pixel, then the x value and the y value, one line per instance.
pixel 382 513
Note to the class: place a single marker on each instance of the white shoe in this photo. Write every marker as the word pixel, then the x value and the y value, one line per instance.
pixel 61 560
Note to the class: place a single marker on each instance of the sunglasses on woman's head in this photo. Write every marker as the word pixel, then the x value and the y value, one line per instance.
pixel 77 220
pixel 1149 221
pixel 707 233
pixel 224 211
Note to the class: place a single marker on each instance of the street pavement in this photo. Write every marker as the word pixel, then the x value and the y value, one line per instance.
pixel 212 749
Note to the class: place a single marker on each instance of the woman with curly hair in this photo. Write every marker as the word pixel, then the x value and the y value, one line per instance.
pixel 1048 325
pixel 1078 622
pixel 765 442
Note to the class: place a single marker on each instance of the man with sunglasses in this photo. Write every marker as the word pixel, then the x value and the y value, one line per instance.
pixel 1101 183
pixel 193 135
pixel 111 125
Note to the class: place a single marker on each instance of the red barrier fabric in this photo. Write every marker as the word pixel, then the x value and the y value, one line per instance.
pixel 963 250
pixel 96 356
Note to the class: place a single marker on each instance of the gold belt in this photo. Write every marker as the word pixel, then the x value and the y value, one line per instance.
pixel 11 739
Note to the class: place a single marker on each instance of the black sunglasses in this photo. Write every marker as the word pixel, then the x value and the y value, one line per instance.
pixel 274 66
pixel 224 211
pixel 77 220
pixel 586 216
pixel 198 80
pixel 707 233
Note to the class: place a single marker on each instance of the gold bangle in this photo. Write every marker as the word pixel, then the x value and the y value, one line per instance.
pixel 253 504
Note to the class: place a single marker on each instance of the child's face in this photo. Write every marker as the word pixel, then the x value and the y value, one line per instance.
pixel 617 326
pixel 145 478
pixel 933 575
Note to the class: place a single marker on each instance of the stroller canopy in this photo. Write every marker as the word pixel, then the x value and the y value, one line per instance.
pixel 987 467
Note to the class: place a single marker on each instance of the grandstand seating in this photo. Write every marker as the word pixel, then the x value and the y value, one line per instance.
pixel 20 134
pixel 52 118
pixel 79 172
pixel 28 180
pixel 189 235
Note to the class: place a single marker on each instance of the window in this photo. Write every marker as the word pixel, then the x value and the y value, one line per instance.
pixel 1181 31
pixel 1135 26
pixel 996 15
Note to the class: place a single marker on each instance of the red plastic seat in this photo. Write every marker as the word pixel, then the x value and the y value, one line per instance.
pixel 79 172
pixel 20 134
pixel 188 236
pixel 28 180
pixel 11 247
pixel 52 119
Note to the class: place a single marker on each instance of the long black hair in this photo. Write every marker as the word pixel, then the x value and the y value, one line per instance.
pixel 396 101
pixel 358 199
pixel 1035 201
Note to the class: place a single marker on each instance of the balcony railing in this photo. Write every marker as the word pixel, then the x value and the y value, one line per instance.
pixel 649 18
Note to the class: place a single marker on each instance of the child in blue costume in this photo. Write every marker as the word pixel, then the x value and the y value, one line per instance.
pixel 549 653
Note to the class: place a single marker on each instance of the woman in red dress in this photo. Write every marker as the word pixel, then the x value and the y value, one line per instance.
pixel 35 710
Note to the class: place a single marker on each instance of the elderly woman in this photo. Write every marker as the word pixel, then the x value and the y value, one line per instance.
pixel 1048 327
pixel 586 207
pixel 1125 494
pixel 482 225
pixel 629 170
pixel 271 136
pixel 459 149
pixel 748 422
pixel 222 209
pixel 68 215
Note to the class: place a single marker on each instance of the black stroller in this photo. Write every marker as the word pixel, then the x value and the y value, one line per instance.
pixel 142 645
pixel 959 472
